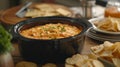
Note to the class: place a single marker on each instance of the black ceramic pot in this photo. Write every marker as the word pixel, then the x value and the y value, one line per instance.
pixel 55 50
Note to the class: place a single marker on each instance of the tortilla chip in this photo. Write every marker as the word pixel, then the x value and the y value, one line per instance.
pixel 97 63
pixel 116 61
pixel 97 49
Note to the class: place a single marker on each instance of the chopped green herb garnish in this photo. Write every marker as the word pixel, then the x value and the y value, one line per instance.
pixel 63 29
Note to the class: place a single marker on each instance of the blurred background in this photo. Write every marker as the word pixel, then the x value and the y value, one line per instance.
pixel 4 4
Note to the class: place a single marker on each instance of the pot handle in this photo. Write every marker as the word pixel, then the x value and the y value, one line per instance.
pixel 13 33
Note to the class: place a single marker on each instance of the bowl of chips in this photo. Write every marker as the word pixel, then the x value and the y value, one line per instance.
pixel 106 25
pixel 108 53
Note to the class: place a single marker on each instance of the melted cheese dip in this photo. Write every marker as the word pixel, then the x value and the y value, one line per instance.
pixel 51 31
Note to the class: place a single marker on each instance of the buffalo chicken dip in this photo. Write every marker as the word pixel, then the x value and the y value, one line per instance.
pixel 51 31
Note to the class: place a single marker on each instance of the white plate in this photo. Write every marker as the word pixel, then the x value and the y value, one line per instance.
pixel 102 37
pixel 99 30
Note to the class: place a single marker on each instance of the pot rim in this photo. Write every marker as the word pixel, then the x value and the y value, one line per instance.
pixel 19 25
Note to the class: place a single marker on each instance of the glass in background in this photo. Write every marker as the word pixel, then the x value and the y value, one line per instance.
pixel 112 9
pixel 87 6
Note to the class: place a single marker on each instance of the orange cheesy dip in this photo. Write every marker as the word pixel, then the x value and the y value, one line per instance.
pixel 51 31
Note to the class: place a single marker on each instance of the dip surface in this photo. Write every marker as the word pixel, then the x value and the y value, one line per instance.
pixel 51 31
